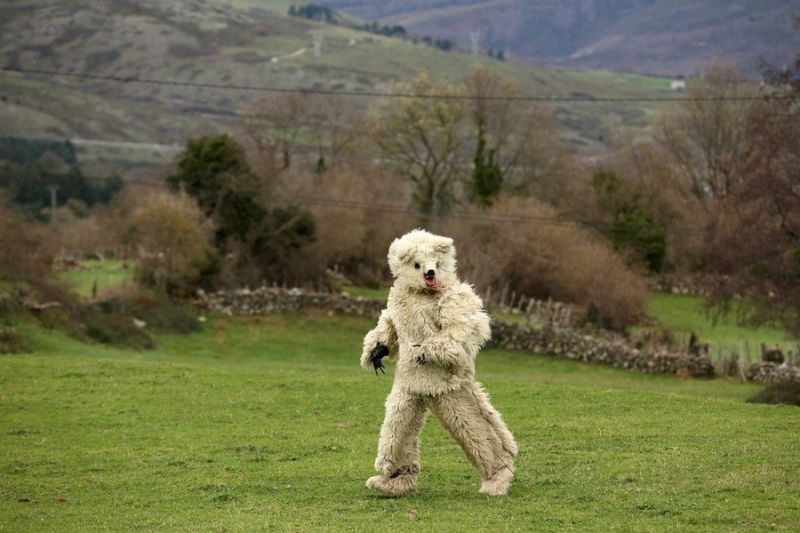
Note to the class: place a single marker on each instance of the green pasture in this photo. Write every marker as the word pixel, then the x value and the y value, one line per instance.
pixel 269 424
pixel 622 80
pixel 366 292
pixel 107 274
pixel 681 314
pixel 686 314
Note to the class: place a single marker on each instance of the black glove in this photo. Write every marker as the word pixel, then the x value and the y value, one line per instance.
pixel 421 359
pixel 378 352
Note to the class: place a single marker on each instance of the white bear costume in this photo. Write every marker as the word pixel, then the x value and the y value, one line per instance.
pixel 434 326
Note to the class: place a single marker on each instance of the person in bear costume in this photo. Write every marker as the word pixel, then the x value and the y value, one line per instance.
pixel 433 327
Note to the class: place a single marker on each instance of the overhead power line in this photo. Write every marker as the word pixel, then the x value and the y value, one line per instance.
pixel 336 203
pixel 375 94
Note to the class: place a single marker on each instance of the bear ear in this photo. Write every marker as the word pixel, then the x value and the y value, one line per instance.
pixel 444 246
pixel 398 254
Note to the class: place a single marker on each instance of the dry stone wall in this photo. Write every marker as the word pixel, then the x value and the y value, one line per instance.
pixel 561 342
pixel 267 300
pixel 613 351
pixel 773 372
pixel 695 285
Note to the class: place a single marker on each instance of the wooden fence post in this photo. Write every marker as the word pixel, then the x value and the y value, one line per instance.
pixel 742 375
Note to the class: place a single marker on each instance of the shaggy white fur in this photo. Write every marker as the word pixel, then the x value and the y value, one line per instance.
pixel 434 326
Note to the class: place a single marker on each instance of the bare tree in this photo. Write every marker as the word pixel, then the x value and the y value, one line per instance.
pixel 757 241
pixel 274 128
pixel 706 133
pixel 336 125
pixel 279 127
pixel 421 138
pixel 509 139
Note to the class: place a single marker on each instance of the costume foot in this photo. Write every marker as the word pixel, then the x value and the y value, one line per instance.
pixel 498 484
pixel 396 487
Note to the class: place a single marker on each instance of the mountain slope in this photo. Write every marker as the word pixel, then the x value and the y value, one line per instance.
pixel 665 37
pixel 251 43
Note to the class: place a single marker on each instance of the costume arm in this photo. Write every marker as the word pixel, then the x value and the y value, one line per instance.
pixel 465 329
pixel 384 333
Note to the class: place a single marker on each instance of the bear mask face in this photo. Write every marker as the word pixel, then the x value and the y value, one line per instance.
pixel 422 261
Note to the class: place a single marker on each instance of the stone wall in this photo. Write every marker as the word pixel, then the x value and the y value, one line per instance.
pixel 773 372
pixel 266 300
pixel 693 284
pixel 572 344
pixel 614 350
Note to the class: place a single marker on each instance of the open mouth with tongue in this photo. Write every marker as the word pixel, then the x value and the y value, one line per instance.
pixel 431 282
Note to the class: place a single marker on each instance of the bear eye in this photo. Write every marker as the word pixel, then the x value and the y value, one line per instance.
pixel 416 265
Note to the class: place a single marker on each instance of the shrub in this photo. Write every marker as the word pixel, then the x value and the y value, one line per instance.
pixel 159 313
pixel 632 227
pixel 174 241
pixel 117 329
pixel 128 315
pixel 785 392
pixel 27 250
pixel 86 237
pixel 544 258
pixel 354 241
pixel 635 230
pixel 11 341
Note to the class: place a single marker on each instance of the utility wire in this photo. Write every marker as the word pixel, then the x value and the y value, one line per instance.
pixel 335 203
pixel 486 217
pixel 378 94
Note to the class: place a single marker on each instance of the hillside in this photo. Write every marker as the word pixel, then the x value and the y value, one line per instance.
pixel 244 43
pixel 664 37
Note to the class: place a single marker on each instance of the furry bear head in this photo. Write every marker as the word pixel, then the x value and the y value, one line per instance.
pixel 422 261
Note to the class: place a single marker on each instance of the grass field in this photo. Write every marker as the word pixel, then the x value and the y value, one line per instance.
pixel 686 314
pixel 108 274
pixel 268 423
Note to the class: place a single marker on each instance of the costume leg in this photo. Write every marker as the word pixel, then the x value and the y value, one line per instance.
pixel 480 431
pixel 398 460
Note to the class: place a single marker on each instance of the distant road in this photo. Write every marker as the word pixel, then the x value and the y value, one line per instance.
pixel 129 145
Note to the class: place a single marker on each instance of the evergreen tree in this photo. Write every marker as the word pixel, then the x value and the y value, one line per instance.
pixel 632 228
pixel 215 171
pixel 487 178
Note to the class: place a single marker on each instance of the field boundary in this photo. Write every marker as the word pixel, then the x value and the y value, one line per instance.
pixel 603 347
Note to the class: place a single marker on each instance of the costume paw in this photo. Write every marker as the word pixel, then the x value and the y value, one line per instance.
pixel 498 484
pixel 379 352
pixel 420 358
pixel 396 487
